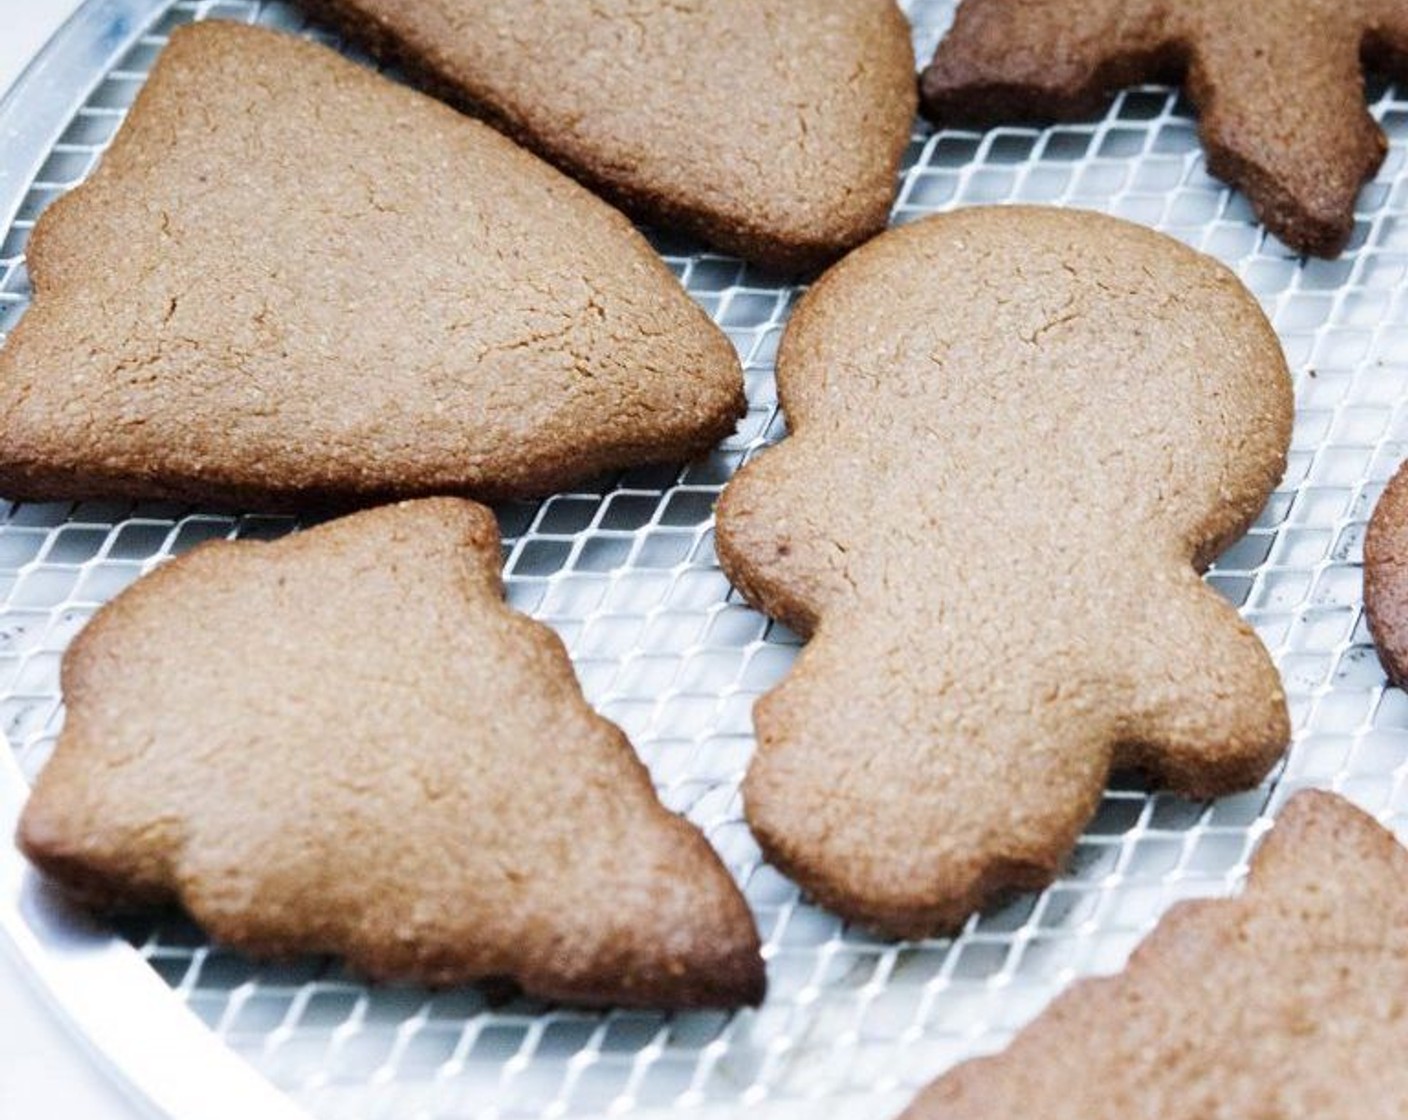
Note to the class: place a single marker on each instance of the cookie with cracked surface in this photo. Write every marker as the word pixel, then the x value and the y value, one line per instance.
pixel 345 742
pixel 1286 1002
pixel 1386 577
pixel 1017 435
pixel 292 281
pixel 1278 84
pixel 772 128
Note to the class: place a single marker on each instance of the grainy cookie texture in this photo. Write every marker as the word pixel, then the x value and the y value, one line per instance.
pixel 1278 84
pixel 345 742
pixel 1287 1003
pixel 1017 434
pixel 292 280
pixel 773 128
pixel 1386 577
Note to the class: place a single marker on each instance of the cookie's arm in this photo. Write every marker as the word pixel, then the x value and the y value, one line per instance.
pixel 1211 712
pixel 1014 59
pixel 777 537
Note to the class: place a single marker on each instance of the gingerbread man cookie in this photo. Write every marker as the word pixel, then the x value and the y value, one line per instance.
pixel 1278 84
pixel 1018 434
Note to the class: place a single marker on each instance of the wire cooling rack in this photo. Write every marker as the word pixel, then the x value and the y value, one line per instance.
pixel 625 572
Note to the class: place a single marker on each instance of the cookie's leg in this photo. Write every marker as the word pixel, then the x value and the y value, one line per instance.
pixel 904 794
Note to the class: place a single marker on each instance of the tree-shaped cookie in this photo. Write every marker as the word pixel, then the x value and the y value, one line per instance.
pixel 1017 435
pixel 345 742
pixel 772 127
pixel 1287 1003
pixel 1278 84
pixel 292 280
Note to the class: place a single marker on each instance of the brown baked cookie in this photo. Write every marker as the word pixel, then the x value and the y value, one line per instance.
pixel 1286 1003
pixel 1278 84
pixel 772 128
pixel 293 281
pixel 344 742
pixel 1386 577
pixel 1017 435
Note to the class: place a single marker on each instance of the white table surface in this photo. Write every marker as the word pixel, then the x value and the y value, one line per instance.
pixel 24 26
pixel 44 1071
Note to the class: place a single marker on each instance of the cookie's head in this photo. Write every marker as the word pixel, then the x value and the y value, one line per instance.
pixel 1047 357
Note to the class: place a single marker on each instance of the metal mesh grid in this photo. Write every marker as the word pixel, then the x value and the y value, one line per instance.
pixel 625 572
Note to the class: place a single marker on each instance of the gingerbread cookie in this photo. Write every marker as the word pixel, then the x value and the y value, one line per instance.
pixel 773 128
pixel 292 281
pixel 344 742
pixel 1278 85
pixel 1386 577
pixel 1287 1002
pixel 1017 435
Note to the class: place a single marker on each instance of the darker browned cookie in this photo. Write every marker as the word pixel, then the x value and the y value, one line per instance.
pixel 1278 84
pixel 1018 433
pixel 1287 1003
pixel 773 128
pixel 1386 577
pixel 345 742
pixel 293 281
